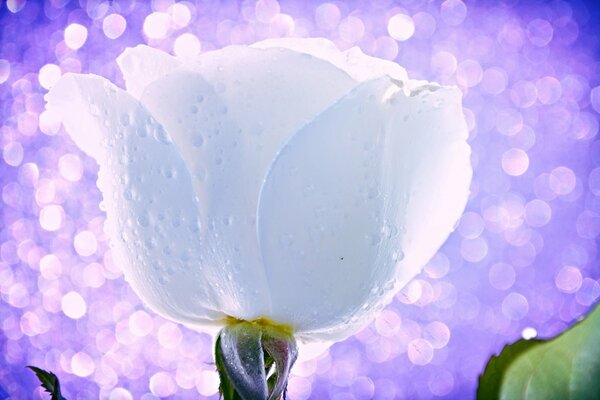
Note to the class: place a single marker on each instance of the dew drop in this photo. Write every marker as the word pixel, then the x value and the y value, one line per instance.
pixel 194 226
pixel 211 225
pixel 256 129
pixel 176 221
pixel 128 194
pixel 197 140
pixel 397 256
pixel 143 220
pixel 124 119
pixel 373 193
pixel 184 257
pixel 308 190
pixel 141 131
pixel 94 110
pixel 161 136
pixel 200 174
pixel 168 173
pixel 388 231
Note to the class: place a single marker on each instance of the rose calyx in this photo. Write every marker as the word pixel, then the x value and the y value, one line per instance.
pixel 254 359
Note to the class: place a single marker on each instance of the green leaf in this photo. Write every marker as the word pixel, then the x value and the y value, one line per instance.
pixel 49 382
pixel 566 367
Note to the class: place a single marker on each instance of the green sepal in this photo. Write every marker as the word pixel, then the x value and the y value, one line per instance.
pixel 226 389
pixel 243 360
pixel 284 351
pixel 271 381
pixel 254 360
pixel 270 371
pixel 49 382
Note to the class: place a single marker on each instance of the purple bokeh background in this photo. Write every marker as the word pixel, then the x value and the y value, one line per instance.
pixel 522 261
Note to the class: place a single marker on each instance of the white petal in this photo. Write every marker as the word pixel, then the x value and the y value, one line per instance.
pixel 271 93
pixel 221 159
pixel 430 164
pixel 142 65
pixel 152 215
pixel 353 61
pixel 229 131
pixel 317 214
pixel 358 201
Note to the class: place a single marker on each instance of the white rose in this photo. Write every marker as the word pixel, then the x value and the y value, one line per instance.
pixel 286 180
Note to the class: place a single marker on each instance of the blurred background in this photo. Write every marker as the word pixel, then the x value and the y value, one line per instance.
pixel 522 262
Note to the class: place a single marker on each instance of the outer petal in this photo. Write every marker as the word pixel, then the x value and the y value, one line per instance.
pixel 358 201
pixel 353 61
pixel 318 212
pixel 152 214
pixel 141 65
pixel 430 166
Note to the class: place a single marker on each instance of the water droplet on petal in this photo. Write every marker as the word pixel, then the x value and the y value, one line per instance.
pixel 94 110
pixel 388 231
pixel 124 119
pixel 197 140
pixel 256 129
pixel 160 135
pixel 397 256
pixel 308 190
pixel 373 193
pixel 143 220
pixel 168 172
pixel 141 131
